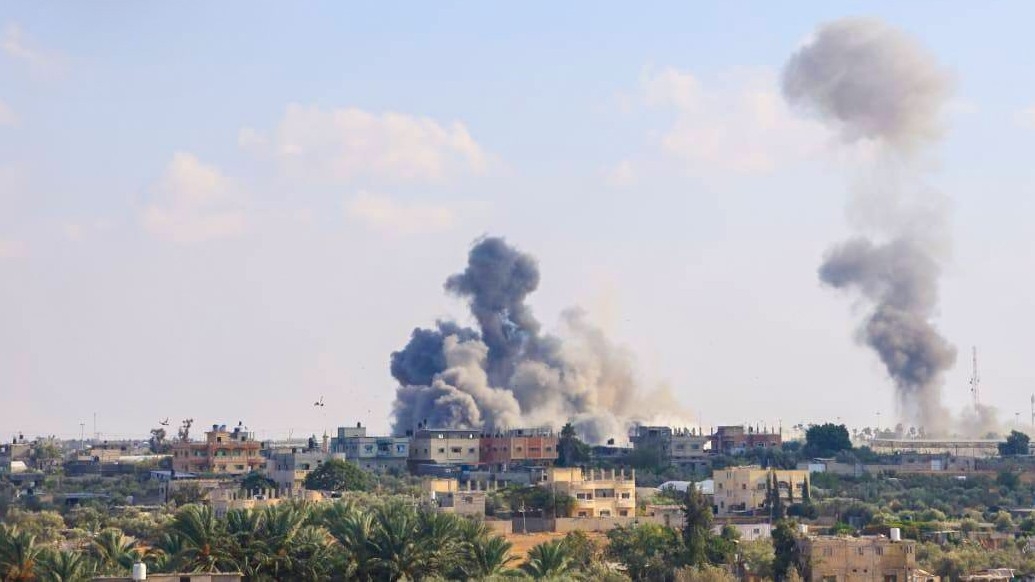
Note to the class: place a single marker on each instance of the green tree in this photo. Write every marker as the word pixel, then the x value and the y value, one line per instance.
pixel 1016 444
pixel 570 450
pixel 649 551
pixel 827 440
pixel 697 526
pixel 548 559
pixel 584 551
pixel 786 554
pixel 337 475
pixel 256 482
pixel 66 566
pixel 19 555
pixel 205 545
pixel 113 551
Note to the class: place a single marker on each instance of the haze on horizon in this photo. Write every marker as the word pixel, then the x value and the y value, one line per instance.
pixel 224 213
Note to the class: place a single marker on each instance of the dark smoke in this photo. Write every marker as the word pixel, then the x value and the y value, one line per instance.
pixel 873 83
pixel 900 280
pixel 508 374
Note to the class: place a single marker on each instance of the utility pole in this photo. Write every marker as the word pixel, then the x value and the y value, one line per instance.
pixel 82 431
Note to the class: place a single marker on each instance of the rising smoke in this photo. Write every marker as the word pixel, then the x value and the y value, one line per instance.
pixel 871 83
pixel 507 373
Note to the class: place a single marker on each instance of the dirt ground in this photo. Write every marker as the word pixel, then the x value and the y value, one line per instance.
pixel 524 542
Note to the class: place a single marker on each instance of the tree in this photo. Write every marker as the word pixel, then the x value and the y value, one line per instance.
pixel 19 555
pixel 256 482
pixel 1016 444
pixel 66 566
pixel 570 450
pixel 113 551
pixel 540 499
pixel 649 551
pixel 157 442
pixel 786 554
pixel 697 526
pixel 826 440
pixel 204 540
pixel 337 475
pixel 183 434
pixel 548 559
pixel 1008 479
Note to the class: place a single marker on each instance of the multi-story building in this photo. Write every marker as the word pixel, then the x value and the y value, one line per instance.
pixel 862 559
pixel 288 468
pixel 223 453
pixel 745 490
pixel 444 447
pixel 731 440
pixel 597 492
pixel 451 497
pixel 519 446
pixel 687 448
pixel 371 453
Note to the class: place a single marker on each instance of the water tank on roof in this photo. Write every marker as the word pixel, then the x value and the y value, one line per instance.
pixel 139 572
pixel 896 534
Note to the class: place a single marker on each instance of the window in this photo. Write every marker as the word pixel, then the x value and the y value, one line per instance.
pixel 456 450
pixel 890 578
pixel 829 578
pixel 470 451
pixel 862 551
pixel 879 551
pixel 623 513
pixel 625 495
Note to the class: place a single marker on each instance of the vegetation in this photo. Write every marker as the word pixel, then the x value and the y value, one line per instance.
pixel 827 440
pixel 1016 444
pixel 570 450
pixel 337 475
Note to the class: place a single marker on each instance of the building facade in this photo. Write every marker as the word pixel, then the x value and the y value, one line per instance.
pixel 449 496
pixel 371 453
pixel 597 492
pixel 862 559
pixel 745 490
pixel 222 453
pixel 731 440
pixel 520 446
pixel 289 468
pixel 687 448
pixel 445 447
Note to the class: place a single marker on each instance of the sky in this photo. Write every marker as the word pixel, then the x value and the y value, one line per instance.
pixel 226 211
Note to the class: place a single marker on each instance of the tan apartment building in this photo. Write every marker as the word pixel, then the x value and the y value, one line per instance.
pixel 597 492
pixel 449 496
pixel 288 468
pixel 862 559
pixel 731 440
pixel 371 453
pixel 743 490
pixel 445 447
pixel 519 446
pixel 222 453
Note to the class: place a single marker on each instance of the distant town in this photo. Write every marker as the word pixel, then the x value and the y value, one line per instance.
pixel 879 502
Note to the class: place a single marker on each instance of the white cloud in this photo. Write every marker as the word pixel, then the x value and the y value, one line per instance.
pixel 1026 117
pixel 17 45
pixel 352 144
pixel 194 202
pixel 12 249
pixel 383 214
pixel 7 116
pixel 623 174
pixel 740 124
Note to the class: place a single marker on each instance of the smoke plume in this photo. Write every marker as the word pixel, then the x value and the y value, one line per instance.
pixel 508 374
pixel 871 83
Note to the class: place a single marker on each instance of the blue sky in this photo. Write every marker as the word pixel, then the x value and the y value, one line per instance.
pixel 186 229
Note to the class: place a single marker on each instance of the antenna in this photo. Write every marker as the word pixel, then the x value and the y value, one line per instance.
pixel 975 381
pixel 1033 410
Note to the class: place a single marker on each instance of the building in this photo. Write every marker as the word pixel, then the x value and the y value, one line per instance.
pixel 970 448
pixel 862 559
pixel 444 447
pixel 519 446
pixel 597 492
pixel 732 440
pixel 223 453
pixel 449 496
pixel 687 448
pixel 745 490
pixel 289 468
pixel 371 453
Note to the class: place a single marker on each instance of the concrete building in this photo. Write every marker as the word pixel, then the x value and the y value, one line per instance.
pixel 444 447
pixel 732 440
pixel 289 468
pixel 597 492
pixel 744 490
pixel 519 446
pixel 862 559
pixel 371 453
pixel 687 448
pixel 450 496
pixel 223 453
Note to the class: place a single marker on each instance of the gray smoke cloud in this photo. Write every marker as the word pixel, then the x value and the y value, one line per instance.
pixel 508 374
pixel 871 82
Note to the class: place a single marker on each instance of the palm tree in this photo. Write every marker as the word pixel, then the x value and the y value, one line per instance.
pixel 19 555
pixel 66 567
pixel 488 556
pixel 395 551
pixel 548 559
pixel 114 551
pixel 205 547
pixel 353 529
